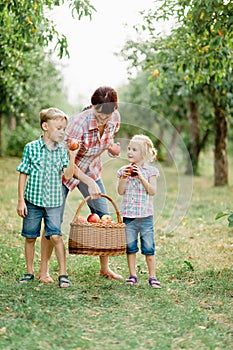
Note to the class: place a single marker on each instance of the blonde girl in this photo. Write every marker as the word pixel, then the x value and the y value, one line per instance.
pixel 137 185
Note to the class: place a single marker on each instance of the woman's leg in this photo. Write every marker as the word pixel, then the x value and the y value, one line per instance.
pixel 100 207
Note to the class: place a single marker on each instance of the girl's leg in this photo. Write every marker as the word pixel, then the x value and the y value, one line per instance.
pixel 150 260
pixel 29 248
pixel 131 259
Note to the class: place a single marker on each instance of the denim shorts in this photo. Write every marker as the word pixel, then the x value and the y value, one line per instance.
pixel 98 205
pixel 32 221
pixel 144 227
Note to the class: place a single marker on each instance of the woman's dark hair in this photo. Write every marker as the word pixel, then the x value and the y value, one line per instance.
pixel 105 100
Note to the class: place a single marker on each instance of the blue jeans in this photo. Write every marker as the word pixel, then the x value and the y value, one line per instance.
pixel 32 221
pixel 145 228
pixel 98 205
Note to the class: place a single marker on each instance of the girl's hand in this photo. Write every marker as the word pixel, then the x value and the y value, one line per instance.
pixel 73 154
pixel 22 210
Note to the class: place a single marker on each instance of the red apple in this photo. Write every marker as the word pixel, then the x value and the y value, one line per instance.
pixel 132 171
pixel 81 219
pixel 73 144
pixel 114 149
pixel 93 218
pixel 106 219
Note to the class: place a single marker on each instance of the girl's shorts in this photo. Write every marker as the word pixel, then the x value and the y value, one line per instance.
pixel 144 227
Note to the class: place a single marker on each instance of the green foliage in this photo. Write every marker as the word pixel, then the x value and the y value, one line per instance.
pixel 17 139
pixel 229 214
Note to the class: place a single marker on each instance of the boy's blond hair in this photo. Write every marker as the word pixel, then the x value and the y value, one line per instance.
pixel 51 113
pixel 149 153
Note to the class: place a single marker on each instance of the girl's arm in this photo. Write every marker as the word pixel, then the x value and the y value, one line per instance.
pixel 122 182
pixel 150 186
pixel 21 207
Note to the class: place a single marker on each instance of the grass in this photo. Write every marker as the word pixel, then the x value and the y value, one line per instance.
pixel 193 310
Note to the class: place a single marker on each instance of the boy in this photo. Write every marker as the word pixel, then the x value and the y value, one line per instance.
pixel 40 190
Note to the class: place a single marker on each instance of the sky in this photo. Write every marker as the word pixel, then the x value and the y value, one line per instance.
pixel 92 44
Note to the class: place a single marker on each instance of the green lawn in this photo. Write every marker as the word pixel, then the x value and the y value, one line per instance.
pixel 193 310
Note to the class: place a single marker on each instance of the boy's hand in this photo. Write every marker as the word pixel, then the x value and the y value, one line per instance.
pixel 22 210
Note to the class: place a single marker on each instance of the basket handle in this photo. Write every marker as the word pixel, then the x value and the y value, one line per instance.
pixel 119 219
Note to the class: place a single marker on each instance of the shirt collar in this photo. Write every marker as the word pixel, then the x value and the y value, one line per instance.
pixel 42 144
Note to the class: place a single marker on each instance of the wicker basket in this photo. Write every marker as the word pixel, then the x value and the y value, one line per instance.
pixel 97 238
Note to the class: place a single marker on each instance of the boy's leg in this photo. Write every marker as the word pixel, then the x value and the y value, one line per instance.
pixel 60 252
pixel 29 248
pixel 46 252
pixel 47 246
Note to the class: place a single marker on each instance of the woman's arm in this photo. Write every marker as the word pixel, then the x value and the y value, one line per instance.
pixel 93 188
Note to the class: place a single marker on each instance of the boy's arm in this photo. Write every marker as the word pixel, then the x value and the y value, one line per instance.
pixel 21 207
pixel 69 171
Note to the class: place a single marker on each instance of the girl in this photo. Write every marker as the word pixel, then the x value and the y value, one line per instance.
pixel 137 185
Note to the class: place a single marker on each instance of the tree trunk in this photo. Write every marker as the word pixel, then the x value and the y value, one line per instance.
pixel 173 144
pixel 1 131
pixel 194 146
pixel 220 152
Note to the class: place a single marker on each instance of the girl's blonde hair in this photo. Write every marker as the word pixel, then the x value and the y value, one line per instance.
pixel 149 153
pixel 51 113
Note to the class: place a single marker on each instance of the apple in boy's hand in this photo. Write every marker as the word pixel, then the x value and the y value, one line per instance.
pixel 73 144
pixel 132 171
pixel 93 218
pixel 114 149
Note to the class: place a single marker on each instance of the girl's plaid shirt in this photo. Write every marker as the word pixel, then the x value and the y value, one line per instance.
pixel 84 128
pixel 136 202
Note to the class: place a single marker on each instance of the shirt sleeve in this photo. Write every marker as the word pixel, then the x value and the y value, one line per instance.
pixel 25 165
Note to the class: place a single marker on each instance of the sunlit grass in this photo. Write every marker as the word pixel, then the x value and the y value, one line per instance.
pixel 193 310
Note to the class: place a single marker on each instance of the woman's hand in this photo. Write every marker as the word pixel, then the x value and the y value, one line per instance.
pixel 93 189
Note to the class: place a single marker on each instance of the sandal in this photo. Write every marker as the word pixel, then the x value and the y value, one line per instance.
pixel 154 283
pixel 64 279
pixel 132 280
pixel 112 275
pixel 27 277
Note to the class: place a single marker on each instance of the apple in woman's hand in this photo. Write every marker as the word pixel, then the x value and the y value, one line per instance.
pixel 114 149
pixel 73 144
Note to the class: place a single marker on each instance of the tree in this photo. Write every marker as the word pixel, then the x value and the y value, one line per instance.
pixel 199 47
pixel 201 43
pixel 25 29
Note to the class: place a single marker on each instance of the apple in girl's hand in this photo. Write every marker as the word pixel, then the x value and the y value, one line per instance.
pixel 114 149
pixel 73 144
pixel 132 171
pixel 106 219
pixel 93 218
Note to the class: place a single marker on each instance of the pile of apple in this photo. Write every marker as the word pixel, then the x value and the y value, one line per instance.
pixel 94 218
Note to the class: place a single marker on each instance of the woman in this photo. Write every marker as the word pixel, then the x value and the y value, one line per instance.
pixel 94 128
